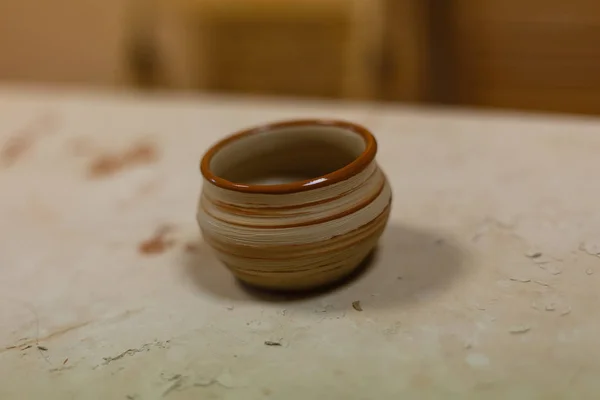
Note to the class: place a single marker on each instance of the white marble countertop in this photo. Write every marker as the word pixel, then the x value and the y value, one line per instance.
pixel 486 283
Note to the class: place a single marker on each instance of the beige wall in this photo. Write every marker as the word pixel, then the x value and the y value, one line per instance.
pixel 63 41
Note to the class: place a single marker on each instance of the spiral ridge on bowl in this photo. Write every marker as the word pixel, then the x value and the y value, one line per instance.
pixel 296 240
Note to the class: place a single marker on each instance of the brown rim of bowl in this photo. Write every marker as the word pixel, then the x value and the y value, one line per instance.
pixel 356 166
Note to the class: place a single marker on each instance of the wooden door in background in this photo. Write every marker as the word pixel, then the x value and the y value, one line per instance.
pixel 406 66
pixel 532 55
pixel 315 48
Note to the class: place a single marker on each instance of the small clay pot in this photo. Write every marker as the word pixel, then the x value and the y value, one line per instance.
pixel 294 205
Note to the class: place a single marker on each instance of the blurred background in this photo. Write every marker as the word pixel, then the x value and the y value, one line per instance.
pixel 528 54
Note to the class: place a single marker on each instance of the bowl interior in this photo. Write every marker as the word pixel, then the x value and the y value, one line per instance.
pixel 286 154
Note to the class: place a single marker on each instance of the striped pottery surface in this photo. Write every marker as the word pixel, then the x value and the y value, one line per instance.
pixel 294 205
pixel 298 240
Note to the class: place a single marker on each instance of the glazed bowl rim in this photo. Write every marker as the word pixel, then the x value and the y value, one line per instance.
pixel 346 172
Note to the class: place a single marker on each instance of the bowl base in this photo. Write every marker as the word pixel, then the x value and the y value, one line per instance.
pixel 302 282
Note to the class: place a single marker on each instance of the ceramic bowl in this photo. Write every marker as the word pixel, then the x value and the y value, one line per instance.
pixel 294 205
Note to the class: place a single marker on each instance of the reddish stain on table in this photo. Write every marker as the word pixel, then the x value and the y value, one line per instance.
pixel 15 148
pixel 191 247
pixel 158 243
pixel 18 145
pixel 109 164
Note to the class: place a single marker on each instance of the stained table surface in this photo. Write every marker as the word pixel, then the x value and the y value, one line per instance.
pixel 485 285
